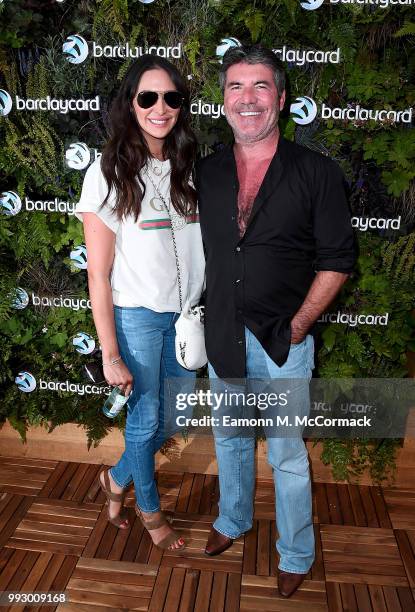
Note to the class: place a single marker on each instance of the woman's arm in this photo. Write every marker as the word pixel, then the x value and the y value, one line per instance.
pixel 100 245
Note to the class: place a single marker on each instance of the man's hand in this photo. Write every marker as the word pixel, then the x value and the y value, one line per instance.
pixel 322 292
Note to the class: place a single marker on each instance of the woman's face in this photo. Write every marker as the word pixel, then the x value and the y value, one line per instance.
pixel 157 121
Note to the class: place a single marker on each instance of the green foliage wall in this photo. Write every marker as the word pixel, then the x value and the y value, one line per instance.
pixel 376 70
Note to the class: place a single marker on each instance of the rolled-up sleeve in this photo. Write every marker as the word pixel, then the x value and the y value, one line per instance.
pixel 334 237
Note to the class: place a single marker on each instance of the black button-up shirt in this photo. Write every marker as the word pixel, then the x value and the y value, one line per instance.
pixel 300 223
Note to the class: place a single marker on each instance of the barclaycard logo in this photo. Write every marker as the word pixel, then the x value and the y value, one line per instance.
pixel 78 257
pixel 303 110
pixel 5 103
pixel 20 299
pixel 78 156
pixel 25 382
pixel 311 5
pixel 224 45
pixel 10 203
pixel 83 343
pixel 75 49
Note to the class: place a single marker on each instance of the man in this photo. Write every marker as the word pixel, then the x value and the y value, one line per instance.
pixel 279 246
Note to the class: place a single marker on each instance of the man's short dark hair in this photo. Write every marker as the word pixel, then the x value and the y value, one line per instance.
pixel 253 54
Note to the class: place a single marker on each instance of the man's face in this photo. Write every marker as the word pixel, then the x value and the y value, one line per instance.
pixel 252 103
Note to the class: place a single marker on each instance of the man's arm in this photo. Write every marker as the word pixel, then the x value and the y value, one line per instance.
pixel 335 245
pixel 322 292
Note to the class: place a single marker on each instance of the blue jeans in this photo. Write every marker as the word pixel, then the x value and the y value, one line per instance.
pixel 286 455
pixel 146 343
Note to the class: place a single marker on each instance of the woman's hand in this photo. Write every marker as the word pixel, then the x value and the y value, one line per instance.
pixel 118 375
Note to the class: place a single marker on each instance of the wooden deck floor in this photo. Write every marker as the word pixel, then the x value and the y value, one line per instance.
pixel 54 536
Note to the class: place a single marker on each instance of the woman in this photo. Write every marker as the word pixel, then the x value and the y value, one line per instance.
pixel 130 201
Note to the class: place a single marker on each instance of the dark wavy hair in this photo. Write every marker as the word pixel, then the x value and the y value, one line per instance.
pixel 127 152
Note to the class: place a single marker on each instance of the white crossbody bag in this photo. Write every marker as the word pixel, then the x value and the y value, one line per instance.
pixel 190 329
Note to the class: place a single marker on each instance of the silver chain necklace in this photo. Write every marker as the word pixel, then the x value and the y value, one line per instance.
pixel 179 284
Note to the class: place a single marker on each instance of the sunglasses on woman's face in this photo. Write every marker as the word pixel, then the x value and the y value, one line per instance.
pixel 147 99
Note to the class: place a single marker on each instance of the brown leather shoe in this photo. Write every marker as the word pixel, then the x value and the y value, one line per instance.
pixel 289 582
pixel 217 543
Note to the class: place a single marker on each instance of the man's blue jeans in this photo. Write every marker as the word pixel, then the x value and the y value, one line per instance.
pixel 146 342
pixel 286 455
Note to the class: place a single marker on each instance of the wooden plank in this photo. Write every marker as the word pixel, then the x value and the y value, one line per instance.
pixel 407 600
pixel 392 599
pixel 174 592
pixel 357 578
pixel 53 547
pixel 184 494
pixel 45 582
pixel 59 518
pixel 362 595
pixel 114 602
pixel 334 558
pixel 112 587
pixel 120 541
pixel 13 564
pixel 79 607
pixel 336 517
pixel 60 486
pixel 11 517
pixel 5 554
pixel 380 506
pixel 273 553
pixel 96 535
pixel 348 597
pixel 358 511
pixel 317 569
pixel 24 570
pixel 75 481
pixel 361 566
pixel 208 494
pixel 407 554
pixel 53 479
pixel 263 553
pixel 107 541
pixel 5 498
pixel 187 601
pixel 377 599
pixel 203 591
pixel 135 533
pixel 196 493
pixel 66 508
pixel 144 548
pixel 217 598
pixel 334 597
pixel 62 577
pixel 160 589
pixel 321 502
pixel 23 461
pixel 125 567
pixel 368 506
pixel 33 578
pixel 196 562
pixel 345 504
pixel 233 593
pixel 91 475
pixel 250 549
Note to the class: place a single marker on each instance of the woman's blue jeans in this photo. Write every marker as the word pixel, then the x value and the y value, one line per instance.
pixel 286 455
pixel 146 342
